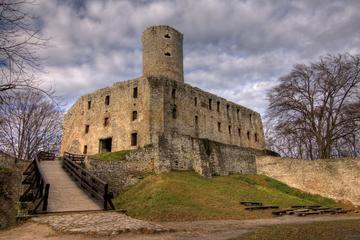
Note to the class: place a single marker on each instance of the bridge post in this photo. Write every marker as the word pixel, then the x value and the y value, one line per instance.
pixel 46 196
pixel 106 196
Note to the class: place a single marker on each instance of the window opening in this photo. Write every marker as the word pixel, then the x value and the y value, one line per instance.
pixel 167 36
pixel 239 131
pixel 218 106
pixel 219 126
pixel 210 103
pixel 85 149
pixel 167 54
pixel 229 129
pixel 195 101
pixel 135 92
pixel 87 128
pixel 173 93
pixel 174 113
pixel 89 104
pixel 196 120
pixel 133 139
pixel 107 100
pixel 256 137
pixel 248 135
pixel 106 121
pixel 134 115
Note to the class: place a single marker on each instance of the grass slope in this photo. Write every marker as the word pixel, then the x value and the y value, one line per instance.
pixel 189 196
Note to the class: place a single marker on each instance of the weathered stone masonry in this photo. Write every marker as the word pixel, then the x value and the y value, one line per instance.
pixel 190 128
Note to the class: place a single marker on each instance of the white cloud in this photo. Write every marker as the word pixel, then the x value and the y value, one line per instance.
pixel 236 49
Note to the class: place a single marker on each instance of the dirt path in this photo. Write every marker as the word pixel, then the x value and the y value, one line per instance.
pixel 202 230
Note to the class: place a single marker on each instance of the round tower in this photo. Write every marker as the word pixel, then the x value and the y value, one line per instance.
pixel 163 53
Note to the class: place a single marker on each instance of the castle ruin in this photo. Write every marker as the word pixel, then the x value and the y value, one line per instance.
pixel 184 127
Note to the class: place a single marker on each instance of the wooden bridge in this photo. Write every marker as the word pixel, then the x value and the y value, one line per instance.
pixel 63 185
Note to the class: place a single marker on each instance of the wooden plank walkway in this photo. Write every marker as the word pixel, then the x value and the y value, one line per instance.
pixel 64 194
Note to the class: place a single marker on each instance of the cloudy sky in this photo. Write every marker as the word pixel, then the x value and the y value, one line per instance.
pixel 235 49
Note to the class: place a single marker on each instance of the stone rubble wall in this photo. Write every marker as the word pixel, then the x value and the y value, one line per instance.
pixel 334 178
pixel 10 186
pixel 180 153
pixel 123 173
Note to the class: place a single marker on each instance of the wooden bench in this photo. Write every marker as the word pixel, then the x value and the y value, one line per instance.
pixel 251 203
pixel 261 208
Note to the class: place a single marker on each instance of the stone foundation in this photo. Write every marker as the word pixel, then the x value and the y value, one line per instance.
pixel 181 153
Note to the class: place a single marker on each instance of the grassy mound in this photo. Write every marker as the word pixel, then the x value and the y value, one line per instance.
pixel 189 196
pixel 109 156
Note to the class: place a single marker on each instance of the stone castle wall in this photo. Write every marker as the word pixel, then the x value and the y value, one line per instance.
pixel 119 112
pixel 192 112
pixel 205 157
pixel 333 178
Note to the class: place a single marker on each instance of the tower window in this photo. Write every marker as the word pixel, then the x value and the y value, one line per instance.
pixel 85 149
pixel 239 131
pixel 227 109
pixel 218 106
pixel 210 103
pixel 195 101
pixel 106 122
pixel 174 112
pixel 229 129
pixel 196 120
pixel 107 100
pixel 173 93
pixel 238 114
pixel 133 139
pixel 256 137
pixel 219 126
pixel 89 104
pixel 135 92
pixel 250 117
pixel 248 135
pixel 87 127
pixel 134 115
pixel 167 54
pixel 167 36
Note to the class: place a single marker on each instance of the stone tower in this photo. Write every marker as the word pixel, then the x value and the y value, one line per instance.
pixel 163 53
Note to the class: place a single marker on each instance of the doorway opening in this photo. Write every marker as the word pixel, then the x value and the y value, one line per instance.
pixel 105 145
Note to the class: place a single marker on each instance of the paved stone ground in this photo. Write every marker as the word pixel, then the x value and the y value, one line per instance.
pixel 98 223
pixel 64 194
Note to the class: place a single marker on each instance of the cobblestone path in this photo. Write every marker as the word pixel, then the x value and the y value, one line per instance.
pixel 99 223
pixel 64 194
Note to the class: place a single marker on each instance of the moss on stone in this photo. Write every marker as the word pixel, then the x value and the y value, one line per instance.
pixel 110 156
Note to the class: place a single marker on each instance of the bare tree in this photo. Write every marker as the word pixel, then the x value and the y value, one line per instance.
pixel 33 122
pixel 20 43
pixel 315 110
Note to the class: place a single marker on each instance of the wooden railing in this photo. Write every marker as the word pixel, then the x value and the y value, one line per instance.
pixel 38 190
pixel 75 157
pixel 93 185
pixel 45 156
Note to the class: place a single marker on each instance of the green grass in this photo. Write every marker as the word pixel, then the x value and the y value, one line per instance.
pixel 109 156
pixel 189 196
pixel 334 230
